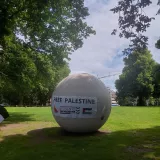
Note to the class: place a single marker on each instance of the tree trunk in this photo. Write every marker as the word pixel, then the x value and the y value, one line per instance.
pixel 21 100
pixel 141 101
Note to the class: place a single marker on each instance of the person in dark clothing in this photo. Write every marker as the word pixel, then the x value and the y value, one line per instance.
pixel 3 114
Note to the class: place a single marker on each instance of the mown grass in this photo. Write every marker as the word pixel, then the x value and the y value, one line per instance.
pixel 132 133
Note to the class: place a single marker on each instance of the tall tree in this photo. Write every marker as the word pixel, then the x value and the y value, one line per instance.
pixel 30 78
pixel 133 22
pixel 136 78
pixel 44 25
pixel 20 72
pixel 35 38
pixel 156 82
pixel 48 75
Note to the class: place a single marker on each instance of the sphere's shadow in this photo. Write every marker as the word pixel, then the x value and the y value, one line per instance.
pixel 63 132
pixel 57 133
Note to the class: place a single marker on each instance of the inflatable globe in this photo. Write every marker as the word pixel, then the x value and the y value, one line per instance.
pixel 81 103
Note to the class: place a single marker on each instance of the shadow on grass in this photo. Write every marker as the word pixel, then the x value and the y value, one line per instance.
pixel 18 117
pixel 54 143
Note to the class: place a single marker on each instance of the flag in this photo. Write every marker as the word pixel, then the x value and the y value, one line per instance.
pixel 87 110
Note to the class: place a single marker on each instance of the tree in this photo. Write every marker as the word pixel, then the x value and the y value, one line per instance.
pixel 20 73
pixel 156 82
pixel 36 36
pixel 48 75
pixel 158 44
pixel 47 26
pixel 30 78
pixel 126 101
pixel 133 22
pixel 136 78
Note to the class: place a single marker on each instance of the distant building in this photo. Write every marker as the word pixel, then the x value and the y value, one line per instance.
pixel 113 97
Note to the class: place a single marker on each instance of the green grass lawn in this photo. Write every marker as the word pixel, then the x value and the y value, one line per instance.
pixel 131 133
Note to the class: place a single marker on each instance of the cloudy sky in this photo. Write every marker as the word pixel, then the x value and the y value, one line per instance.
pixel 101 53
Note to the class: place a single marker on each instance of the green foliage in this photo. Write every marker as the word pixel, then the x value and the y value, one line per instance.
pixel 156 82
pixel 30 78
pixel 126 101
pixel 151 101
pixel 36 37
pixel 136 78
pixel 133 22
pixel 158 44
pixel 47 26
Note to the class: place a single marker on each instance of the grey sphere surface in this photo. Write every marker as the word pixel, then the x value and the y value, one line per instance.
pixel 81 103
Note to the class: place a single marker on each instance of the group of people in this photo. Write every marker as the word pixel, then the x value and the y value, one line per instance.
pixel 3 113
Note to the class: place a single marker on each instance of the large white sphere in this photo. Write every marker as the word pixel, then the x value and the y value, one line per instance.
pixel 81 103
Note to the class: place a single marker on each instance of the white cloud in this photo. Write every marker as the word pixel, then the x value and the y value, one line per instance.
pixel 98 55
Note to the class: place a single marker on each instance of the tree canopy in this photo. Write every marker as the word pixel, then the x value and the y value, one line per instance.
pixel 46 26
pixel 36 37
pixel 133 22
pixel 158 44
pixel 136 80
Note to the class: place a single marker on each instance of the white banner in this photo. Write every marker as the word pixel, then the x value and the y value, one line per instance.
pixel 74 107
